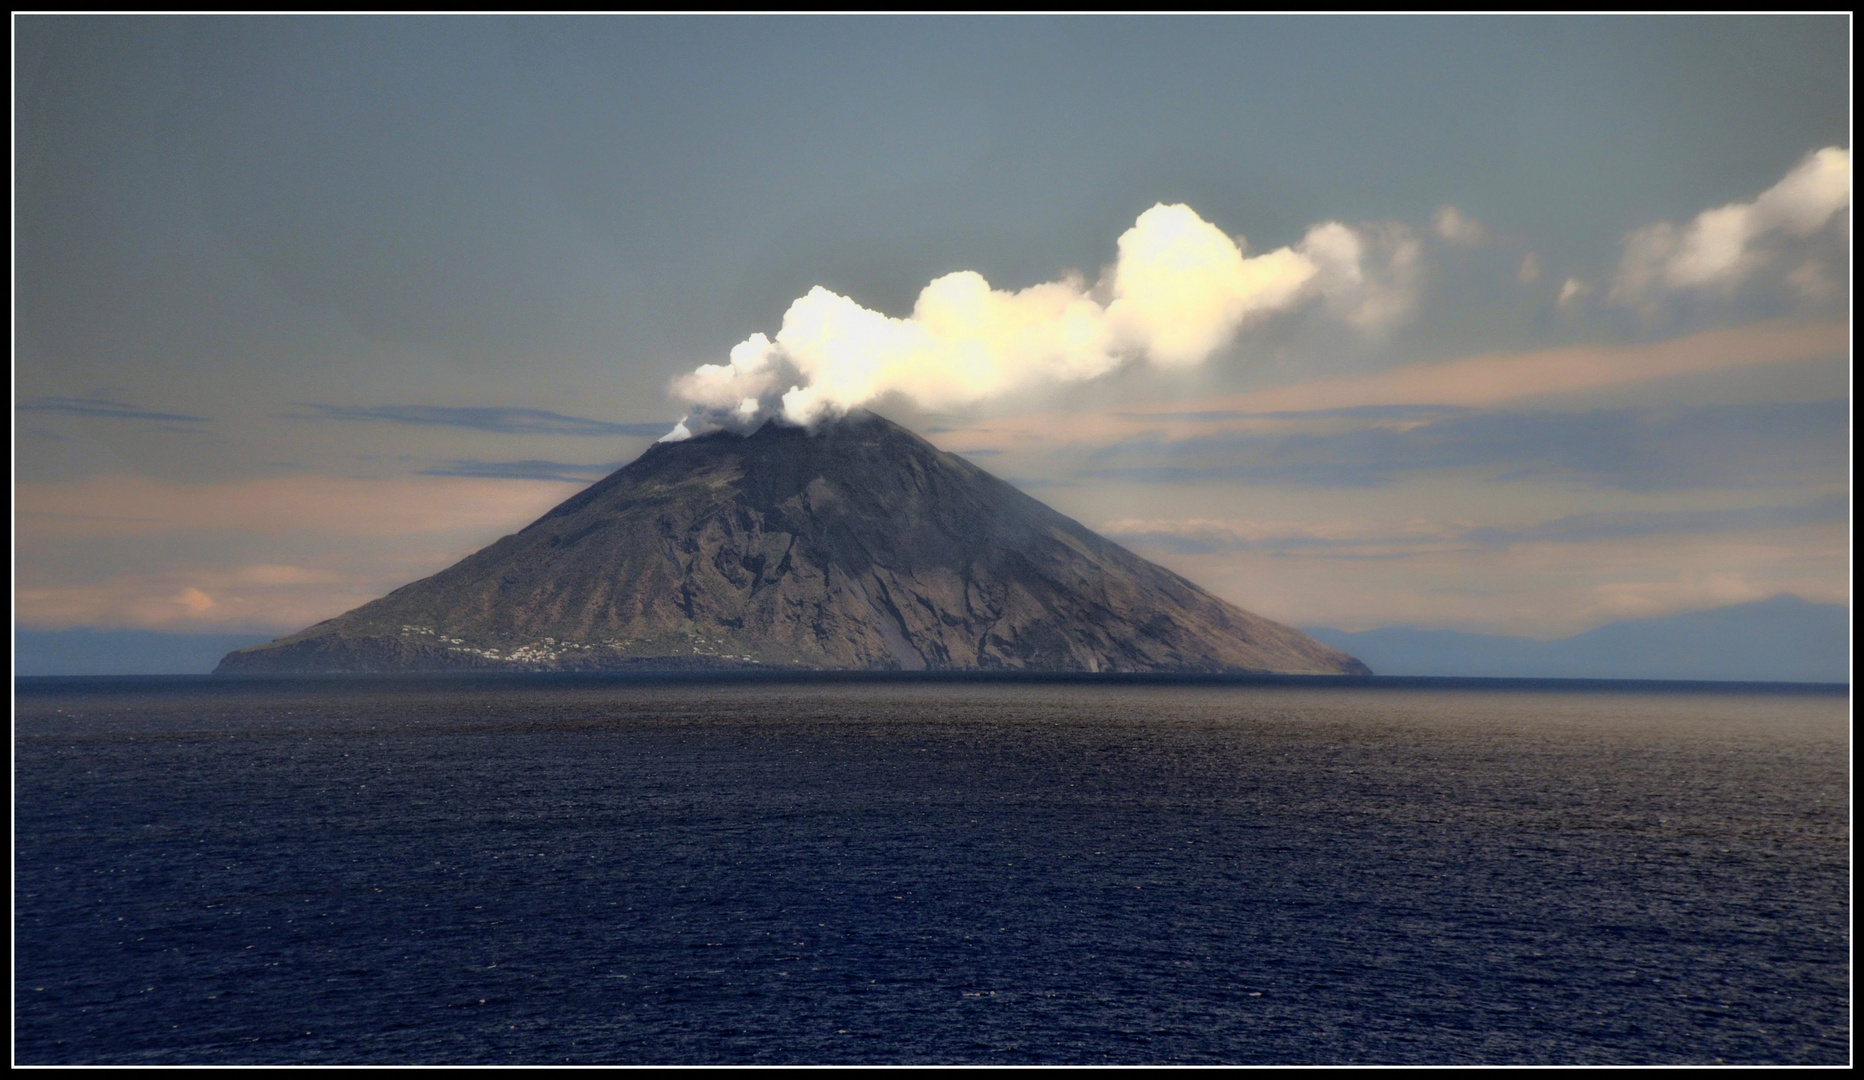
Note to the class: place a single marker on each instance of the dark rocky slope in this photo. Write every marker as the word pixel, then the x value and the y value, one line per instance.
pixel 856 546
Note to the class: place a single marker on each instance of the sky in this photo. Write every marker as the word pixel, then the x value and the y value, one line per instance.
pixel 1510 325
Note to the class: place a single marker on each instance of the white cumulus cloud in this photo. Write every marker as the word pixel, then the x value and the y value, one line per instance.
pixel 1572 293
pixel 1369 277
pixel 1720 249
pixel 1182 288
pixel 1458 228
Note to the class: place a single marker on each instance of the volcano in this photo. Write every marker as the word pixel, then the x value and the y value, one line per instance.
pixel 852 545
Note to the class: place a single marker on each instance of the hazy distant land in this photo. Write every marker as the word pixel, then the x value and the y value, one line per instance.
pixel 1784 639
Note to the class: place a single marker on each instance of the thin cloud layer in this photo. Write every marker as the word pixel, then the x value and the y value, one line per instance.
pixel 275 554
pixel 252 597
pixel 116 505
pixel 504 421
pixel 1179 291
pixel 1730 446
pixel 97 407
pixel 1409 539
pixel 528 469
pixel 1485 380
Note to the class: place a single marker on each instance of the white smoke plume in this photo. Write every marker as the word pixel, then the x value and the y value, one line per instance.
pixel 1179 290
pixel 1713 254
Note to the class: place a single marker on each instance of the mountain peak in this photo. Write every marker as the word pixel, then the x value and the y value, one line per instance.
pixel 852 544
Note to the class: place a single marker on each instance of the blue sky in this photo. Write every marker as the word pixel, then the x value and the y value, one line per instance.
pixel 308 307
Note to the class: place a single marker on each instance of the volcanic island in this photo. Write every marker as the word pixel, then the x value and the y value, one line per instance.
pixel 850 545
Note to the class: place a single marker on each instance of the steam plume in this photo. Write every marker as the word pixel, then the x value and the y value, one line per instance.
pixel 1179 291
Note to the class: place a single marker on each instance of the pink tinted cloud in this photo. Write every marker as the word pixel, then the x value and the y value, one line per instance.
pixel 1494 378
pixel 119 505
pixel 370 536
pixel 264 598
pixel 1486 379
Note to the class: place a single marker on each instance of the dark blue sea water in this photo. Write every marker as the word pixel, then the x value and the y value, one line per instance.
pixel 586 871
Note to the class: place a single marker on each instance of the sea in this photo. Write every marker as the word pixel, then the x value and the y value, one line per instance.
pixel 555 869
